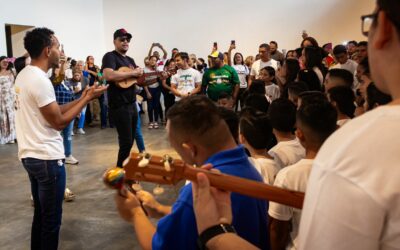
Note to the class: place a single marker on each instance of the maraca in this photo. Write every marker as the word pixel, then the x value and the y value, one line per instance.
pixel 114 178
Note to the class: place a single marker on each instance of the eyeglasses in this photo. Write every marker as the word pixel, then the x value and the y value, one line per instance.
pixel 125 39
pixel 367 21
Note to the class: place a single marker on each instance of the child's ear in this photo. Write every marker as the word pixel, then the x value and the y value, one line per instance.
pixel 299 134
pixel 242 140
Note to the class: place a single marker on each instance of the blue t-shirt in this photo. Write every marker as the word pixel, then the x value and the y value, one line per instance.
pixel 178 230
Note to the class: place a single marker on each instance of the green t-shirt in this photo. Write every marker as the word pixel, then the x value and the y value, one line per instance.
pixel 220 80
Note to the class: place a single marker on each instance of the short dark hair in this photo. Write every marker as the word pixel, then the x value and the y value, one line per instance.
pixel 224 95
pixel 376 97
pixel 196 114
pixel 274 42
pixel 344 98
pixel 312 96
pixel 296 88
pixel 232 120
pixel 319 116
pixel 36 40
pixel 310 78
pixel 362 43
pixel 19 64
pixel 339 49
pixel 343 74
pixel 257 101
pixel 256 128
pixel 183 55
pixel 282 114
pixel 257 87
pixel 353 42
pixel 264 45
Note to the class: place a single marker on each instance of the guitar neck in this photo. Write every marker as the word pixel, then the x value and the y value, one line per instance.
pixel 248 187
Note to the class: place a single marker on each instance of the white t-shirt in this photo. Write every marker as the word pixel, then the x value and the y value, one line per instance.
pixel 266 167
pixel 258 65
pixel 272 92
pixel 36 138
pixel 350 65
pixel 353 193
pixel 161 64
pixel 185 81
pixel 287 153
pixel 150 78
pixel 242 71
pixel 294 177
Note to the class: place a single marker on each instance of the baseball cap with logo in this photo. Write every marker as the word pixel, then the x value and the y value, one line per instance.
pixel 122 33
pixel 217 54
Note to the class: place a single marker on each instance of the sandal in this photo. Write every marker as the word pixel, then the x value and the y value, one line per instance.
pixel 150 125
pixel 155 125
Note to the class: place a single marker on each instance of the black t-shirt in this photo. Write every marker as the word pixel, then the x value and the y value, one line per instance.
pixel 118 96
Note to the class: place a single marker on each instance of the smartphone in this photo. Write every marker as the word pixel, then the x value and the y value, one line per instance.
pixel 215 45
pixel 233 42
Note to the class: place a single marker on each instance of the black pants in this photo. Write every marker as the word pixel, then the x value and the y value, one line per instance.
pixel 125 120
pixel 169 101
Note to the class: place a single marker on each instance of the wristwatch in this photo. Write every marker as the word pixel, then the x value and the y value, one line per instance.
pixel 213 231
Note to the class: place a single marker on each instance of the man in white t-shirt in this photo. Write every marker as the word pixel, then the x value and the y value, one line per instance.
pixel 264 61
pixel 353 199
pixel 186 81
pixel 39 120
pixel 288 151
pixel 343 62
pixel 285 220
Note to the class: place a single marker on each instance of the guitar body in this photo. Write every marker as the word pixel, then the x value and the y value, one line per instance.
pixel 124 84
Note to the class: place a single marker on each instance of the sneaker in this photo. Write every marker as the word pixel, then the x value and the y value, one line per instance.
pixel 11 142
pixel 80 131
pixel 71 160
pixel 68 195
pixel 72 133
pixel 150 125
pixel 155 125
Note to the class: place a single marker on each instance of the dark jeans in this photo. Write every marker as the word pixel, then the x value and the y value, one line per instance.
pixel 169 101
pixel 125 120
pixel 240 98
pixel 154 104
pixel 47 187
pixel 103 111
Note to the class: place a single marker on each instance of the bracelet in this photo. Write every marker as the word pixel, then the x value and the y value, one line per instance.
pixel 213 231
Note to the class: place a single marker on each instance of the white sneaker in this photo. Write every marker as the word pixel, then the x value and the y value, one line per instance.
pixel 71 160
pixel 80 131
pixel 68 195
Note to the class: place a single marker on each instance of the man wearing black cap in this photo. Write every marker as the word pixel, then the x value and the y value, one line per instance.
pixel 121 101
pixel 220 78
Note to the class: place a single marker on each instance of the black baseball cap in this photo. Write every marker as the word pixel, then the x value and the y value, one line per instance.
pixel 122 33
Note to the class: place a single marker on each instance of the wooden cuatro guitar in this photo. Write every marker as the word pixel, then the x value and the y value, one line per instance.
pixel 165 170
pixel 141 80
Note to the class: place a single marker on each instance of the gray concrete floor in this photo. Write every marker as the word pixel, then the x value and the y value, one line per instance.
pixel 89 222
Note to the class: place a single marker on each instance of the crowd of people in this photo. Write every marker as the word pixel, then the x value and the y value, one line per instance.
pixel 282 118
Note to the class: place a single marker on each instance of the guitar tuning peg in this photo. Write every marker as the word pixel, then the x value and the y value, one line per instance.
pixel 158 190
pixel 167 162
pixel 144 161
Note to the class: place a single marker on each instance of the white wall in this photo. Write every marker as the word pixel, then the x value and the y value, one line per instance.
pixel 193 26
pixel 85 27
pixel 78 24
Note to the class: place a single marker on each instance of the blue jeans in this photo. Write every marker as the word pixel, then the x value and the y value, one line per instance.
pixel 81 122
pixel 47 187
pixel 154 104
pixel 139 136
pixel 67 139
